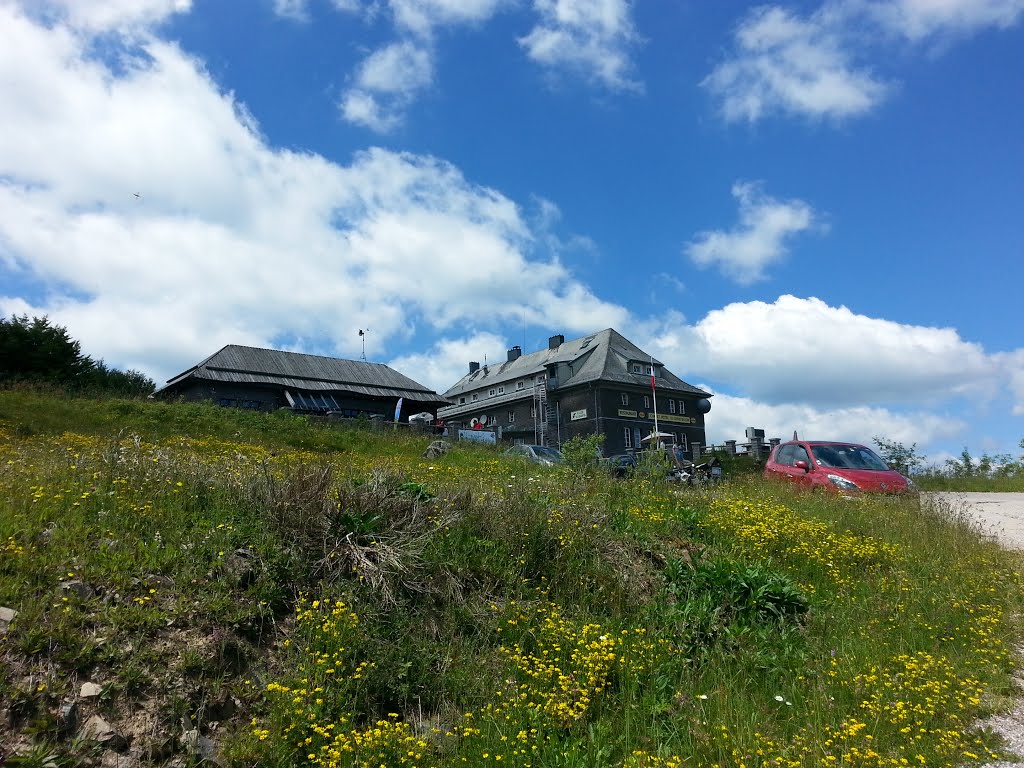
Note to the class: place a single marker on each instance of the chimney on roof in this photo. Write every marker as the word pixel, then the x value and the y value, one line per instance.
pixel 515 353
pixel 556 341
pixel 474 367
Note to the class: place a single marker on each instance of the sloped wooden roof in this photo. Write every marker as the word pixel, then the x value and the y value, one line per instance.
pixel 237 364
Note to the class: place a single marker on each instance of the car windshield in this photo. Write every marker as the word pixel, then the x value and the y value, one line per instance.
pixel 847 457
pixel 543 452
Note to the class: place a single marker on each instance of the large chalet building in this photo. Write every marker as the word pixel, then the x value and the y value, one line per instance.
pixel 597 384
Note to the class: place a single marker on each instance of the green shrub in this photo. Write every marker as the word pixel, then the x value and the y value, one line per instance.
pixel 583 453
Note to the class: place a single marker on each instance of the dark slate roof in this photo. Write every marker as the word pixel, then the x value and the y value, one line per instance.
pixel 603 356
pixel 252 365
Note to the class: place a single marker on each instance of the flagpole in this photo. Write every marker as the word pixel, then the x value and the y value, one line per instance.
pixel 654 394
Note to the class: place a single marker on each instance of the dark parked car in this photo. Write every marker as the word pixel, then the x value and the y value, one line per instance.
pixel 621 464
pixel 842 467
pixel 539 454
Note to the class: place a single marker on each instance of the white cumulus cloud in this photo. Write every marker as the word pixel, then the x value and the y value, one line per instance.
pixel 231 240
pixel 758 241
pixel 389 80
pixel 804 351
pixel 447 360
pixel 731 415
pixel 592 38
pixel 829 372
pixel 110 15
pixel 814 66
pixel 297 10
pixel 783 63
pixel 921 19
pixel 396 68
pixel 422 17
pixel 386 83
pixel 1014 365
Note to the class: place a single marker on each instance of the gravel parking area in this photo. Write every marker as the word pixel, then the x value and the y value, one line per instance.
pixel 1000 515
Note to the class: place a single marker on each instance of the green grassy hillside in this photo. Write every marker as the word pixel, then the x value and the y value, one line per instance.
pixel 192 583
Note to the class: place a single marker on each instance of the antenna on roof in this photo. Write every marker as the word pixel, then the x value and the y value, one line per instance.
pixel 362 337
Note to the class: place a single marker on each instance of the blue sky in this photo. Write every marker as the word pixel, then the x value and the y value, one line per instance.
pixel 813 209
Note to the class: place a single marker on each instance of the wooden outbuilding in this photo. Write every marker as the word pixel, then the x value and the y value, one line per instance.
pixel 268 379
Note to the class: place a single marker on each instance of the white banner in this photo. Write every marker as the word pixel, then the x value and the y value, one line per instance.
pixel 479 436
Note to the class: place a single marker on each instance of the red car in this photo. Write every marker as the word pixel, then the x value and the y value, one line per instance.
pixel 842 467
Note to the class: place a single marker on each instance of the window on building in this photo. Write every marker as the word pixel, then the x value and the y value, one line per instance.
pixel 474 397
pixel 682 406
pixel 511 417
pixel 462 401
pixel 627 437
pixel 520 385
pixel 647 402
pixel 490 393
pixel 681 440
pixel 501 390
pixel 671 406
pixel 310 401
pixel 636 368
pixel 625 398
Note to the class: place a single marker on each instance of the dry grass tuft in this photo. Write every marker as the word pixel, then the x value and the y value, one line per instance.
pixel 374 530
